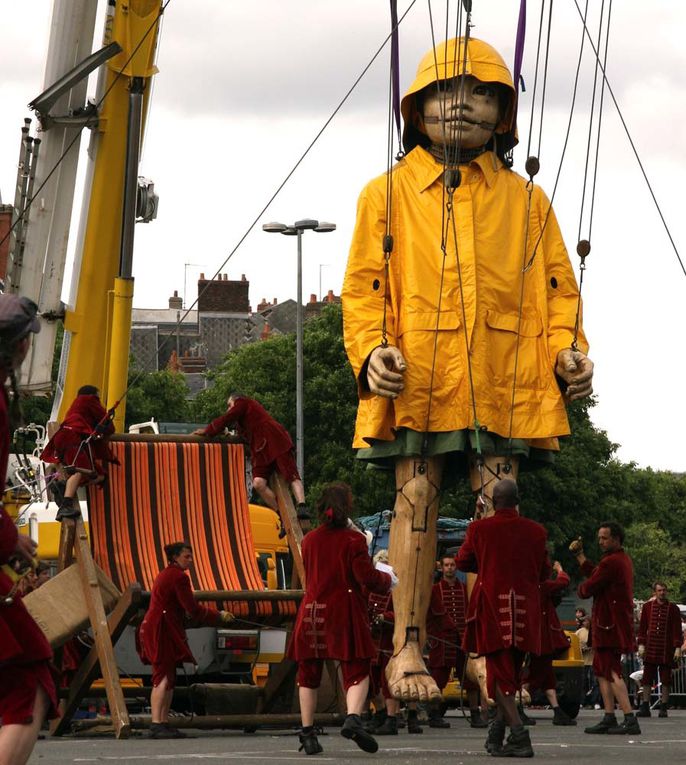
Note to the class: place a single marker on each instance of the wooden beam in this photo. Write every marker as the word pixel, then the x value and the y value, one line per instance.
pixel 206 722
pixel 289 519
pixel 101 634
pixel 117 621
pixel 249 596
pixel 66 548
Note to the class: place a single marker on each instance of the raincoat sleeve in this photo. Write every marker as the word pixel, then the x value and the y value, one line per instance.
pixel 561 286
pixel 364 286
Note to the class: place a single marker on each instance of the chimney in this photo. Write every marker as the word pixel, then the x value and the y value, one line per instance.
pixel 175 301
pixel 313 297
pixel 221 295
pixel 330 297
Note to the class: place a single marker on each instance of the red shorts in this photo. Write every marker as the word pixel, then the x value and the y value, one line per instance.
pixel 284 464
pixel 160 671
pixel 541 674
pixel 607 662
pixel 442 674
pixel 310 672
pixel 650 674
pixel 504 668
pixel 18 691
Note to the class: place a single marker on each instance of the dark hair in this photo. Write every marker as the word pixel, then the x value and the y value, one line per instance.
pixel 659 583
pixel 335 505
pixel 87 390
pixel 175 549
pixel 616 530
pixel 446 556
pixel 582 609
pixel 41 567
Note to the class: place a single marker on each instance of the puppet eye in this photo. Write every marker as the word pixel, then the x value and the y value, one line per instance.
pixel 484 90
pixel 376 284
pixel 553 282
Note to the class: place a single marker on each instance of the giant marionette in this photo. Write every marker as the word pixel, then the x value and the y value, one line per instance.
pixel 460 317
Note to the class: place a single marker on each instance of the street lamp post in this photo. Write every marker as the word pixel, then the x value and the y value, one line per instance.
pixel 297 229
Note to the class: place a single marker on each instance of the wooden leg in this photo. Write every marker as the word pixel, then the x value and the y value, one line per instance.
pixel 486 472
pixel 289 519
pixel 412 553
pixel 101 634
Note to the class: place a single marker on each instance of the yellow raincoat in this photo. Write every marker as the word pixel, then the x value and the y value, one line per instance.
pixel 431 324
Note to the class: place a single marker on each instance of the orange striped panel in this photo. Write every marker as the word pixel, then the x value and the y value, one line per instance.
pixel 168 492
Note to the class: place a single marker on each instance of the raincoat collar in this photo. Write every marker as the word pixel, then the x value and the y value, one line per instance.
pixel 427 169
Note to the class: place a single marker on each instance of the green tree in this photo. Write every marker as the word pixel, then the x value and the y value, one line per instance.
pixel 162 395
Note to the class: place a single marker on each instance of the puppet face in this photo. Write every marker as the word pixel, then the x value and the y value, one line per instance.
pixel 461 111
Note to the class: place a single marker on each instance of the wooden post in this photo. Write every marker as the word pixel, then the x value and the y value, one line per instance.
pixel 66 549
pixel 289 519
pixel 128 604
pixel 103 643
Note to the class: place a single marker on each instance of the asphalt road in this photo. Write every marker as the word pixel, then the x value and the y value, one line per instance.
pixel 661 743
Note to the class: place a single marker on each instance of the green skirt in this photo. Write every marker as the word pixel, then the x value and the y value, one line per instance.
pixel 412 443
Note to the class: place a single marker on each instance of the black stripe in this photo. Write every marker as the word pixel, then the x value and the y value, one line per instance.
pixel 130 514
pixel 231 519
pixel 154 510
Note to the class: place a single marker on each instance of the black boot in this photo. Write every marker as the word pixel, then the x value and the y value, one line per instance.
pixel 560 717
pixel 496 736
pixel 629 726
pixel 353 729
pixel 644 709
pixel 69 508
pixel 376 721
pixel 518 744
pixel 608 721
pixel 524 717
pixel 436 719
pixel 413 725
pixel 389 727
pixel 309 743
pixel 56 489
pixel 476 720
pixel 663 710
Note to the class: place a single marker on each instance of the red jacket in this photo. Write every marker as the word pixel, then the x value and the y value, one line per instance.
pixel 382 622
pixel 445 622
pixel 84 415
pixel 508 554
pixel 611 585
pixel 21 639
pixel 660 631
pixel 553 638
pixel 332 621
pixel 267 438
pixel 162 635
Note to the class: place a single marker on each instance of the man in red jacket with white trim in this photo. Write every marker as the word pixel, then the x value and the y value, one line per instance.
pixel 659 645
pixel 508 554
pixel 610 584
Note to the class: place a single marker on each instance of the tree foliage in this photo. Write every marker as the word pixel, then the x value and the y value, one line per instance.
pixel 162 395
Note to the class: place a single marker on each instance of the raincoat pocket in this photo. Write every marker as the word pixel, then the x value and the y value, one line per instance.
pixel 511 338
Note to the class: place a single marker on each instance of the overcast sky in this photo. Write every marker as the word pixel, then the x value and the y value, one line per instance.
pixel 244 88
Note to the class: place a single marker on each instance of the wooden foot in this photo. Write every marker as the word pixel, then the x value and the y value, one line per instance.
pixel 408 677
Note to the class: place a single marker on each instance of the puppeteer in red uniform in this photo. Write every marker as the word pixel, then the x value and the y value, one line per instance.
pixel 445 625
pixel 508 554
pixel 553 642
pixel 659 645
pixel 271 447
pixel 162 635
pixel 333 621
pixel 611 585
pixel 80 447
pixel 27 687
